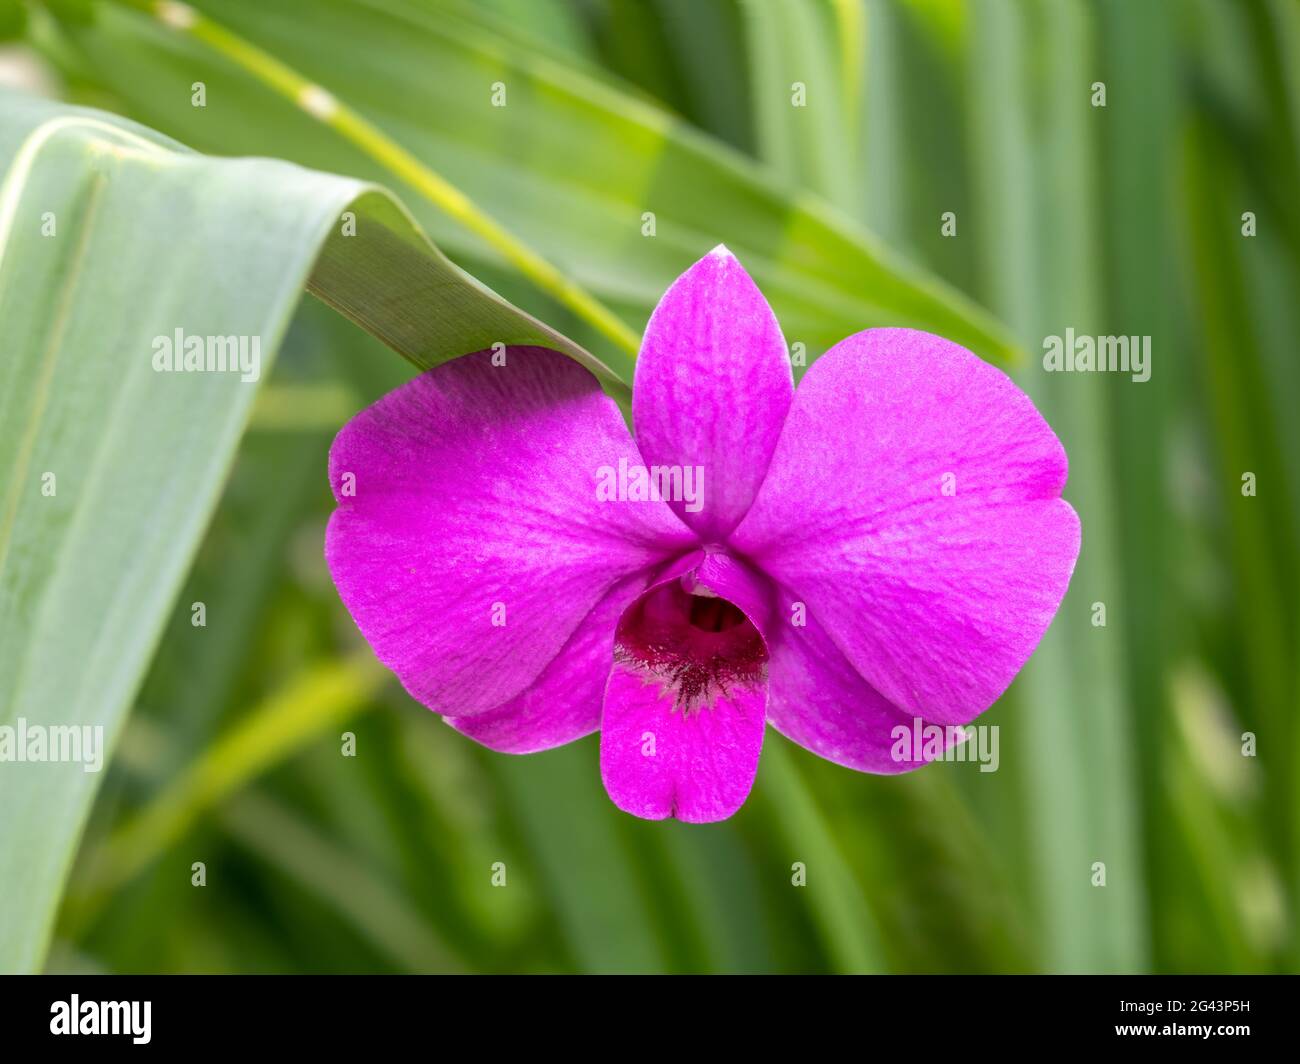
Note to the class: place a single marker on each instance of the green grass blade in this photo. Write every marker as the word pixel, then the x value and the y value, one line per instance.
pixel 1037 192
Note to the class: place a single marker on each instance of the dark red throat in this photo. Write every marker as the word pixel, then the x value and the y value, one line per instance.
pixel 696 648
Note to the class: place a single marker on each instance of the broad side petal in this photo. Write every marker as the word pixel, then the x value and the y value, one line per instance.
pixel 712 388
pixel 564 702
pixel 469 542
pixel 914 503
pixel 817 699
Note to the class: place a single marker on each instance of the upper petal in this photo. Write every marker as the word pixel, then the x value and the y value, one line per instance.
pixel 712 388
pixel 913 503
pixel 469 542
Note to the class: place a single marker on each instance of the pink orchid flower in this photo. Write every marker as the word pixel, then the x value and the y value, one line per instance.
pixel 884 545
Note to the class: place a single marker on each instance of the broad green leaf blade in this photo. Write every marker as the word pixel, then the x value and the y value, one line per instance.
pixel 111 237
pixel 570 163
pixel 1079 776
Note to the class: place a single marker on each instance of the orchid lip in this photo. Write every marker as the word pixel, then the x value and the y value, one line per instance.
pixel 698 648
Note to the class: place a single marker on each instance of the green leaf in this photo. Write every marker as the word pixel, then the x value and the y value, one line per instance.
pixel 321 697
pixel 110 237
pixel 601 907
pixel 1074 719
pixel 571 163
pixel 845 922
pixel 804 95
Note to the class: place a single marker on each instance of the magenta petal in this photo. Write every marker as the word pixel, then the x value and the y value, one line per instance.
pixel 658 762
pixel 468 542
pixel 564 703
pixel 712 387
pixel 913 504
pixel 720 574
pixel 820 701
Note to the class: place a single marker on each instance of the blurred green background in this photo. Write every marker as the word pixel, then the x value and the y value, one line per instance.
pixel 1120 744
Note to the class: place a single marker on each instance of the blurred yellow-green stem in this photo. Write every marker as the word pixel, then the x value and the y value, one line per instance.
pixel 323 695
pixel 318 102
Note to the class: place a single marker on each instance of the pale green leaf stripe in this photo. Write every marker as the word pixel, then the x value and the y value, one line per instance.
pixel 802 59
pixel 1073 718
pixel 148 238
